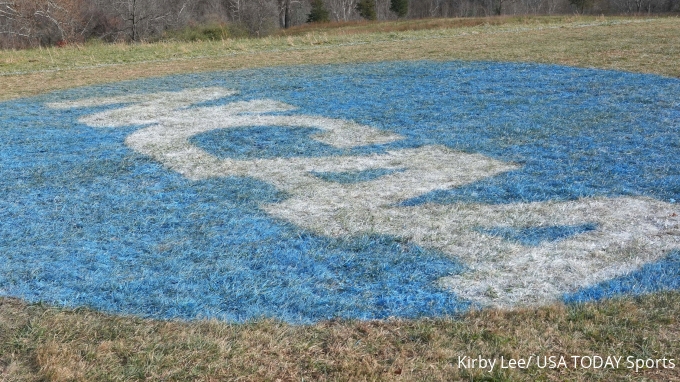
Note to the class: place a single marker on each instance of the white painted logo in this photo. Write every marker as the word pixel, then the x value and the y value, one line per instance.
pixel 630 231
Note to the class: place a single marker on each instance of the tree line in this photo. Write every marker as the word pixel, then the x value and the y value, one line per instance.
pixel 30 23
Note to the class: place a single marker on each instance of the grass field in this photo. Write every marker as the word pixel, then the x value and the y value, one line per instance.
pixel 39 342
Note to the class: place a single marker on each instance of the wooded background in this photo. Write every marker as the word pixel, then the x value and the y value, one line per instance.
pixel 31 23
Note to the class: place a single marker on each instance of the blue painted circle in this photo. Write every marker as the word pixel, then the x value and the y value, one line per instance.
pixel 85 221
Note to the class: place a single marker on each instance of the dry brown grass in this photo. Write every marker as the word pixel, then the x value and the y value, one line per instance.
pixel 39 342
pixel 641 45
pixel 362 27
pixel 44 343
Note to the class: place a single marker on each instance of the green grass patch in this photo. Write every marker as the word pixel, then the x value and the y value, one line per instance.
pixel 206 32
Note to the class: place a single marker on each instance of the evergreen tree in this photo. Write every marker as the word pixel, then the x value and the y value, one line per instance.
pixel 319 14
pixel 400 7
pixel 366 9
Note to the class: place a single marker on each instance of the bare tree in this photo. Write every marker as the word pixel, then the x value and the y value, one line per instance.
pixel 260 17
pixel 533 6
pixel 14 20
pixel 234 8
pixel 293 12
pixel 342 10
pixel 382 10
pixel 65 16
pixel 498 6
pixel 284 13
pixel 141 18
pixel 30 22
pixel 427 8
pixel 185 11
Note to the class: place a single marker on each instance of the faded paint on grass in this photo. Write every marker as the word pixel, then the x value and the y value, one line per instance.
pixel 366 191
pixel 627 232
